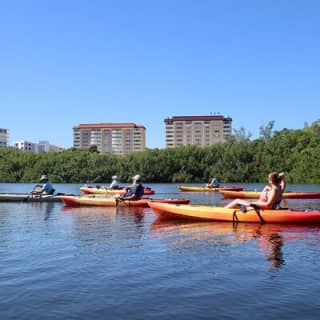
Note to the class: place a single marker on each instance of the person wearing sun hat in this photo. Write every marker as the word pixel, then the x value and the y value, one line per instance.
pixel 45 186
pixel 114 183
pixel 135 191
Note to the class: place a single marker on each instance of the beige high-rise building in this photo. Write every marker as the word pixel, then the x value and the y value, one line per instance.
pixel 197 130
pixel 116 138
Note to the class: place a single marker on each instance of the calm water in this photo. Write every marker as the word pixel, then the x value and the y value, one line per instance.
pixel 108 263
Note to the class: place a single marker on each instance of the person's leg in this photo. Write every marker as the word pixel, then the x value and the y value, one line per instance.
pixel 235 203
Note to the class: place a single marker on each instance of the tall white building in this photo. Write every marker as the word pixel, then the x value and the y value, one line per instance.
pixel 197 130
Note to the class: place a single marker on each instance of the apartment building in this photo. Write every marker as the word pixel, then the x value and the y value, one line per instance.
pixel 42 146
pixel 116 138
pixel 45 146
pixel 26 146
pixel 3 137
pixel 197 130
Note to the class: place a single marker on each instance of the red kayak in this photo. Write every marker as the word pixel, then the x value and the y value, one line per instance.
pixel 76 201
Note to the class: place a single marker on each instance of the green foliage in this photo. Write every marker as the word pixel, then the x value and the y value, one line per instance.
pixel 266 131
pixel 93 148
pixel 296 152
pixel 240 135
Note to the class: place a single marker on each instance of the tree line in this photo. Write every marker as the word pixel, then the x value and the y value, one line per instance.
pixel 296 152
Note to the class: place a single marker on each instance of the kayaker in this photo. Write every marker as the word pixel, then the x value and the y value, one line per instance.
pixel 114 183
pixel 135 191
pixel 269 198
pixel 213 182
pixel 45 186
pixel 264 193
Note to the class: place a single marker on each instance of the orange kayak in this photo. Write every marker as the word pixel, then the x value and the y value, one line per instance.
pixel 254 195
pixel 202 212
pixel 207 189
pixel 93 190
pixel 76 201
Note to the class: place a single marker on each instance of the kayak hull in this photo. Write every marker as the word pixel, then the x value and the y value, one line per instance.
pixel 76 201
pixel 207 189
pixel 228 194
pixel 92 190
pixel 25 197
pixel 202 212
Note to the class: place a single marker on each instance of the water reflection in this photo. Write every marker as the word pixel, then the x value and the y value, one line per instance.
pixel 98 228
pixel 105 215
pixel 48 210
pixel 275 255
pixel 269 238
pixel 44 207
pixel 110 211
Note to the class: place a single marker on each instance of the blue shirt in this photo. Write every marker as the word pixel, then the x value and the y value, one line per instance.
pixel 215 183
pixel 48 188
pixel 136 190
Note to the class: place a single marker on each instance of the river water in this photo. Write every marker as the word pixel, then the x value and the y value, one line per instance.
pixel 123 263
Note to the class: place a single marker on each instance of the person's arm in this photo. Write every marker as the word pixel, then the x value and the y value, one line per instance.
pixel 283 183
pixel 137 192
pixel 132 197
pixel 209 184
pixel 129 194
pixel 266 188
pixel 38 189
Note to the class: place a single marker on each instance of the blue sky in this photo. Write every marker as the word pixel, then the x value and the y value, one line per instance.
pixel 66 62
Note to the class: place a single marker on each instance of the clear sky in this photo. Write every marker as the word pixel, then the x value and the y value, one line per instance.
pixel 66 62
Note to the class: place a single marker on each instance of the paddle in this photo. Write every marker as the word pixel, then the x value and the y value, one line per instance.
pixel 32 195
pixel 256 209
pixel 126 202
pixel 244 209
pixel 38 186
pixel 27 197
pixel 118 199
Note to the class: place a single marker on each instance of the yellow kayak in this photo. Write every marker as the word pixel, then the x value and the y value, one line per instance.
pixel 255 195
pixel 93 190
pixel 207 189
